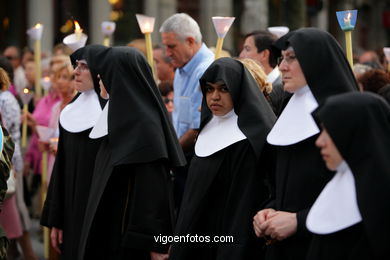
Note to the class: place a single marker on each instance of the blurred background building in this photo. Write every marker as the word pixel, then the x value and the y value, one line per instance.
pixel 372 30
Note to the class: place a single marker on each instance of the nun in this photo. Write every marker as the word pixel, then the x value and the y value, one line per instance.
pixel 226 182
pixel 313 68
pixel 64 208
pixel 131 197
pixel 350 217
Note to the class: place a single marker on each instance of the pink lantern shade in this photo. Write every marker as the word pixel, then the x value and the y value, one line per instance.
pixel 146 23
pixel 222 25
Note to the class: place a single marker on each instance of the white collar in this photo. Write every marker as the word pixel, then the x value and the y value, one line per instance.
pixel 82 113
pixel 295 124
pixel 273 75
pixel 218 133
pixel 101 127
pixel 336 207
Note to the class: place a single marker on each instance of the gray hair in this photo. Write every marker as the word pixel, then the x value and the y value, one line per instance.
pixel 183 26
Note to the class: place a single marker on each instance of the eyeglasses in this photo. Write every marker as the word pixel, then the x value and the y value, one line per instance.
pixel 81 66
pixel 167 100
pixel 11 58
pixel 288 59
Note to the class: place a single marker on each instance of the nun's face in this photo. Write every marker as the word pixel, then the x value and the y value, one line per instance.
pixel 218 98
pixel 83 76
pixel 330 153
pixel 292 75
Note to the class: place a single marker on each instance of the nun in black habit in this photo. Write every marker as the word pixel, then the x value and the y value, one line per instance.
pixel 131 199
pixel 313 68
pixel 350 218
pixel 225 185
pixel 68 190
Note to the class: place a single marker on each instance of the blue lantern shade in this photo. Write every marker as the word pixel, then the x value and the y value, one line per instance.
pixel 347 19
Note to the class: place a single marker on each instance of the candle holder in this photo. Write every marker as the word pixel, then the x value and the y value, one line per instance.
pixel 222 26
pixel 347 22
pixel 279 31
pixel 146 25
pixel 46 84
pixel 35 33
pixel 386 51
pixel 26 97
pixel 108 28
pixel 77 39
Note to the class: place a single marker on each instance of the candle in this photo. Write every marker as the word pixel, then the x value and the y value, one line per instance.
pixel 26 97
pixel 77 31
pixel 347 21
pixel 222 26
pixel 146 24
pixel 35 33
pixel 108 28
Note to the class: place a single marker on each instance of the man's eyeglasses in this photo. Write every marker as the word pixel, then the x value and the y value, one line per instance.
pixel 288 59
pixel 167 100
pixel 11 58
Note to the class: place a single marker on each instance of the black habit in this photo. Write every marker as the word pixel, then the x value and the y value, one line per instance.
pixel 225 189
pixel 131 200
pixel 300 171
pixel 68 190
pixel 359 125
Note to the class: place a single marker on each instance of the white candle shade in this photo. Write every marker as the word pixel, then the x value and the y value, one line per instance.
pixel 386 50
pixel 146 23
pixel 45 133
pixel 108 28
pixel 35 32
pixel 46 83
pixel 279 31
pixel 222 25
pixel 26 96
pixel 72 42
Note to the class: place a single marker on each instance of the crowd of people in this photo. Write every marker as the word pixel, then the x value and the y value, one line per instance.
pixel 284 149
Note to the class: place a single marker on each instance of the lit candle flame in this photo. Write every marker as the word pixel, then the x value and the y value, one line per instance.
pixel 46 78
pixel 347 18
pixel 77 27
pixel 147 27
pixel 37 26
pixel 25 90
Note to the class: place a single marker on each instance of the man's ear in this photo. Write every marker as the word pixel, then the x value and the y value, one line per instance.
pixel 190 41
pixel 265 55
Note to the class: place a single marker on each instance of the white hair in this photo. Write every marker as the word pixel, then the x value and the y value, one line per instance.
pixel 183 26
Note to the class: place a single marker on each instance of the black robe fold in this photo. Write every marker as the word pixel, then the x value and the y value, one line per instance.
pixel 68 190
pixel 223 193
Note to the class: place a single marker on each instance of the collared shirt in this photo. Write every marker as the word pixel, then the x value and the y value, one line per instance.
pixel 273 75
pixel 187 93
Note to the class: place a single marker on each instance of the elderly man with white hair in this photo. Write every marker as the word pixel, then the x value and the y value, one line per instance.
pixel 183 40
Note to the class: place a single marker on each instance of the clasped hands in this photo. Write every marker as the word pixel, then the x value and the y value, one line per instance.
pixel 274 225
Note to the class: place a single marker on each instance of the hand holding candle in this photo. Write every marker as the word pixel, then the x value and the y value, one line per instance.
pixel 222 26
pixel 347 21
pixel 146 24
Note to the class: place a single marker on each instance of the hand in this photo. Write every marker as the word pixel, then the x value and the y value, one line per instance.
pixel 279 225
pixel 43 146
pixel 56 239
pixel 158 256
pixel 259 219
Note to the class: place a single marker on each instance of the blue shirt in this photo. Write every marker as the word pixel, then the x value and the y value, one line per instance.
pixel 187 93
